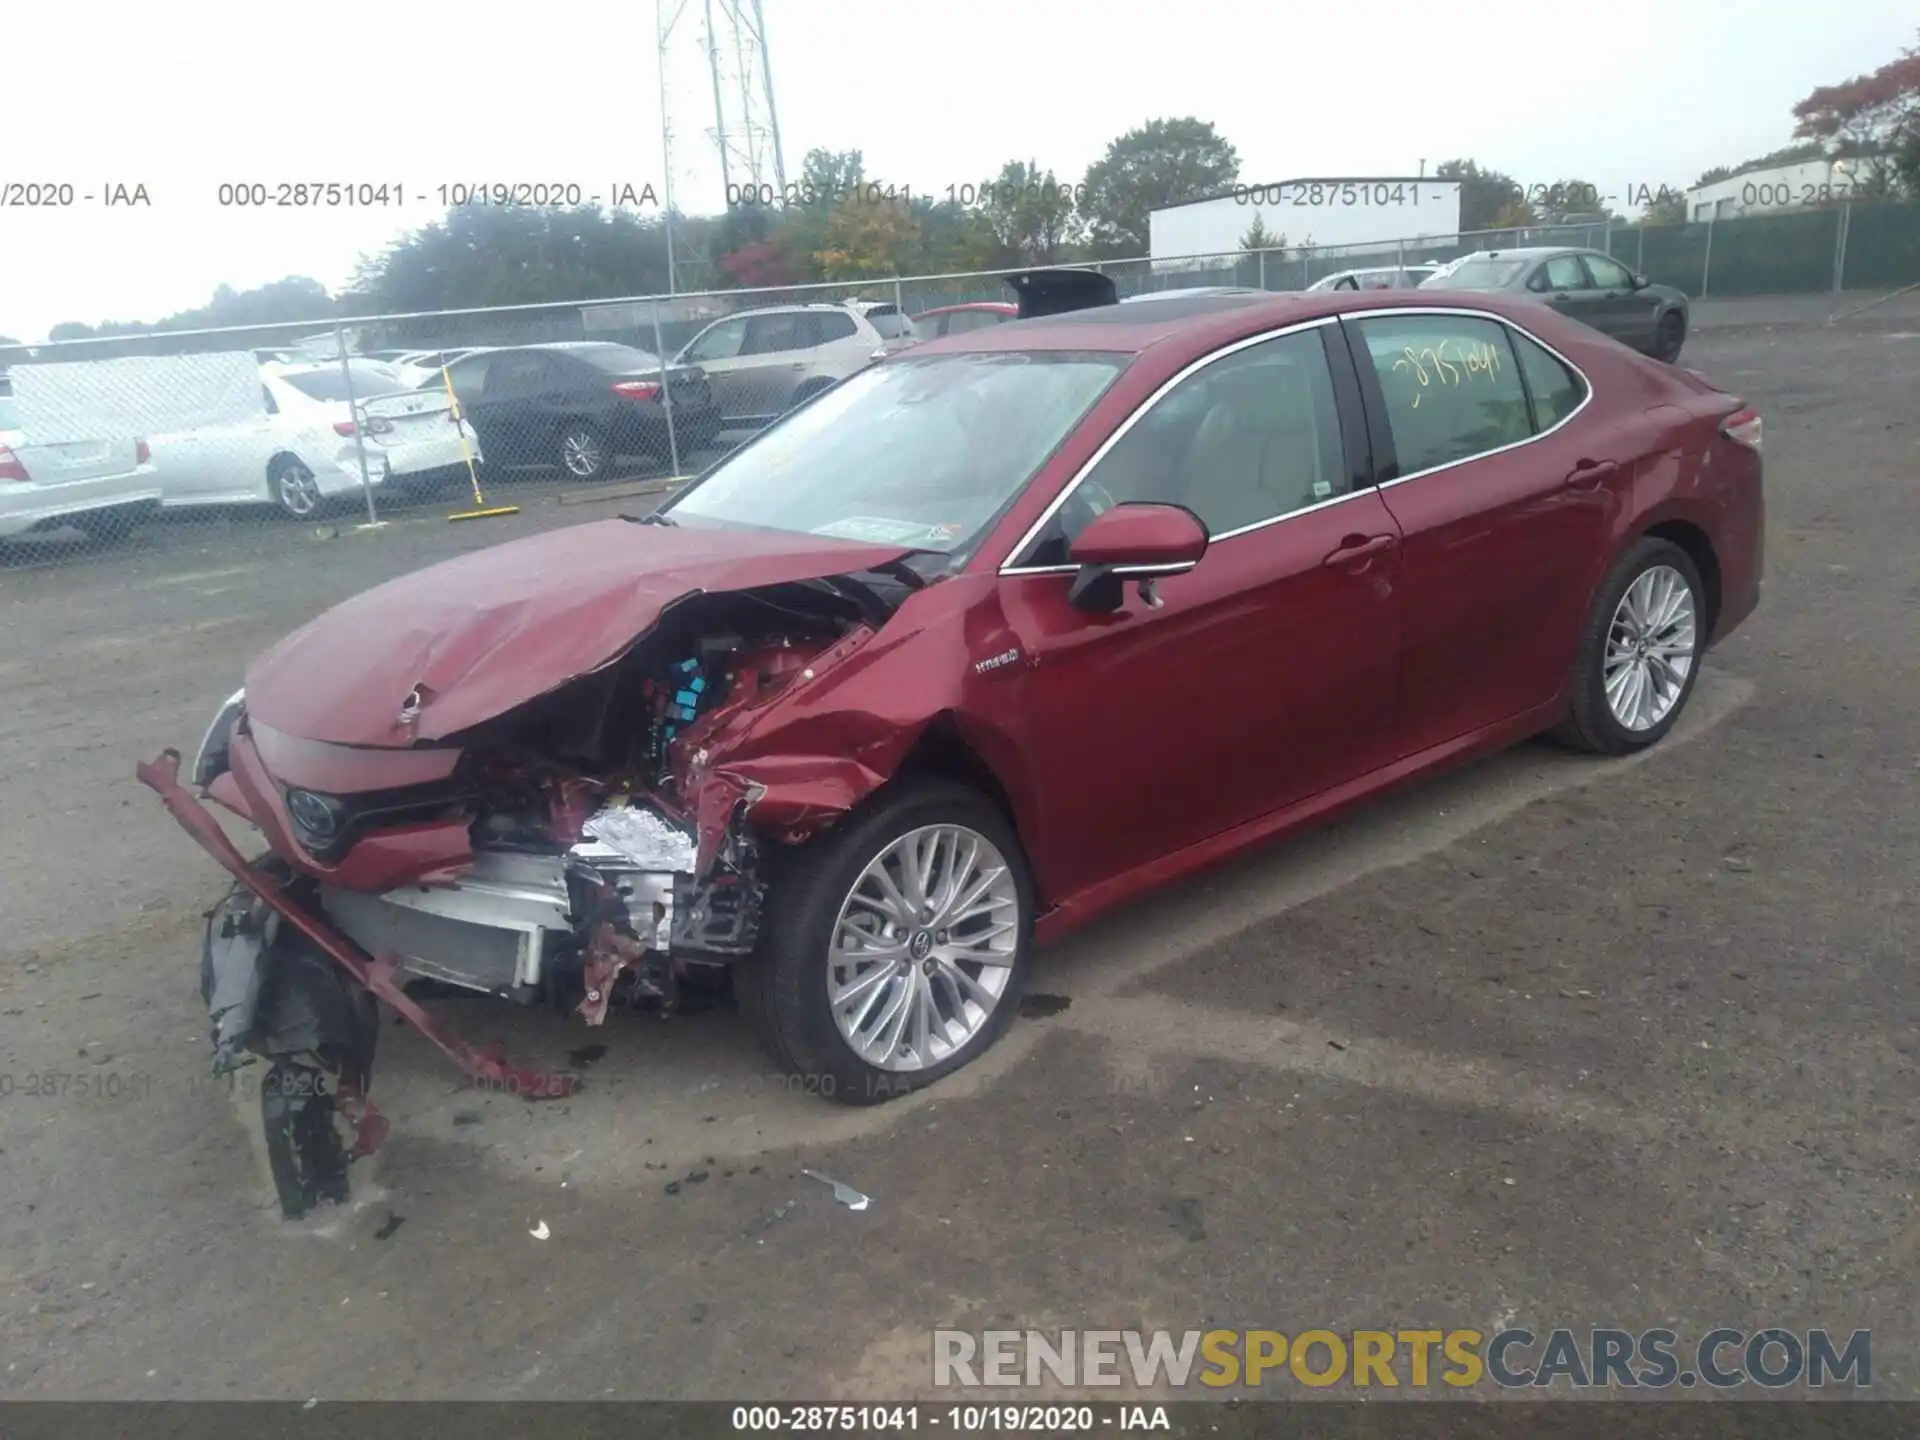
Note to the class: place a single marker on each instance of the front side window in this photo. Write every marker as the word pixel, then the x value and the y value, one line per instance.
pixel 1608 274
pixel 1253 437
pixel 919 453
pixel 1451 386
pixel 1564 273
pixel 720 342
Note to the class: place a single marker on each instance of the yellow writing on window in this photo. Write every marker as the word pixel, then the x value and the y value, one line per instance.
pixel 1451 363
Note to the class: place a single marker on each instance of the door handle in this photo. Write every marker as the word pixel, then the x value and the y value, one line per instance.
pixel 1589 473
pixel 1356 548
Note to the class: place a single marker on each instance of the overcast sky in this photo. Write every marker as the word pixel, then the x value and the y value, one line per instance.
pixel 183 98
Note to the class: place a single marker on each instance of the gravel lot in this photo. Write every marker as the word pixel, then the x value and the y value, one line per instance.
pixel 1547 1041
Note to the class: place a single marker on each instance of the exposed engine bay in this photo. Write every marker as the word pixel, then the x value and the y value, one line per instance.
pixel 607 863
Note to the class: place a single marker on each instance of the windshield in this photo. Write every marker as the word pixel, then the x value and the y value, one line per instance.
pixel 920 453
pixel 1476 275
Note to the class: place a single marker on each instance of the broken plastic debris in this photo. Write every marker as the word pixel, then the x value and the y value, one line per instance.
pixel 540 1231
pixel 845 1194
pixel 642 837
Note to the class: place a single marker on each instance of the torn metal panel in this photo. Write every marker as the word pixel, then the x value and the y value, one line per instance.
pixel 162 776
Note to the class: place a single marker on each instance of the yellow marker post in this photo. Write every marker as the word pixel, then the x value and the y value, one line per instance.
pixel 481 510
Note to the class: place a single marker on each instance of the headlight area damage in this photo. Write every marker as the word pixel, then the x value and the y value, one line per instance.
pixel 606 841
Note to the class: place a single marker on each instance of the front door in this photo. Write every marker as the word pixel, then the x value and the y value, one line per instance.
pixel 1623 312
pixel 1263 676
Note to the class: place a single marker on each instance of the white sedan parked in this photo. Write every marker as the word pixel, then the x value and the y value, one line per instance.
pixel 305 445
pixel 97 487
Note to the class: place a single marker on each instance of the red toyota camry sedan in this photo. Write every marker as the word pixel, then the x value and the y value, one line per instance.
pixel 988 638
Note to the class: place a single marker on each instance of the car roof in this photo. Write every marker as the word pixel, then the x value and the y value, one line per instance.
pixel 998 307
pixel 1200 322
pixel 1529 252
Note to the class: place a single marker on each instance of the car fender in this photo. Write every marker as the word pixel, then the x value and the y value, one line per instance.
pixel 794 766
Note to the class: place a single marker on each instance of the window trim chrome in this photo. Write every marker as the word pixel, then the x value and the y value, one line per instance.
pixel 1087 466
pixel 1585 380
pixel 1032 534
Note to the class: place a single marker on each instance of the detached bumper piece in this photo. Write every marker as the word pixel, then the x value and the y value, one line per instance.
pixel 284 983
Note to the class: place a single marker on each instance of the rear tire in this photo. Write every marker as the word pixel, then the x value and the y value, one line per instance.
pixel 826 891
pixel 1670 336
pixel 305 1149
pixel 294 488
pixel 1639 653
pixel 583 452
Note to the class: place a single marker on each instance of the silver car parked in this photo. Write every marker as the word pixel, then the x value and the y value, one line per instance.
pixel 100 488
pixel 761 363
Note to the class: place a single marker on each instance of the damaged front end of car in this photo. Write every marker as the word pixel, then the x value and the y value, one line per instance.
pixel 607 842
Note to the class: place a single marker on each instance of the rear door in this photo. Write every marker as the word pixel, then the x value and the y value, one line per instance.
pixel 510 417
pixel 1505 499
pixel 774 357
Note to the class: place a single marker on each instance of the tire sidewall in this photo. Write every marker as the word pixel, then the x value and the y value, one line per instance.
pixel 274 483
pixel 1667 322
pixel 1644 555
pixel 812 896
pixel 582 427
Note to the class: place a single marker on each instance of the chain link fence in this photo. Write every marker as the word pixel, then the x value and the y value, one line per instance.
pixel 136 439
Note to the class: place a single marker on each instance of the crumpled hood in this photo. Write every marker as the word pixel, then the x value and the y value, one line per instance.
pixel 479 635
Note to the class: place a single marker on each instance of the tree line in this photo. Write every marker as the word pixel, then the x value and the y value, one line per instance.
pixel 1024 214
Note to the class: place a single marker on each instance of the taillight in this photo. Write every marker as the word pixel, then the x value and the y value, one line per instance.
pixel 375 426
pixel 1743 427
pixel 11 468
pixel 637 389
pixel 141 453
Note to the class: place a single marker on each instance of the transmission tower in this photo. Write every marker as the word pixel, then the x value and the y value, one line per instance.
pixel 746 126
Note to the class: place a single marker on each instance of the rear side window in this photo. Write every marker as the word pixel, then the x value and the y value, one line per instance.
pixel 1451 386
pixel 891 323
pixel 1556 390
pixel 829 325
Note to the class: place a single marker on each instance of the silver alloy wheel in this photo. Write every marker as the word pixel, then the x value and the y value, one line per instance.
pixel 923 948
pixel 581 453
pixel 1650 648
pixel 298 490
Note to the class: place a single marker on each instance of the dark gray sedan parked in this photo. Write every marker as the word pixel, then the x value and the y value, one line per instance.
pixel 1585 284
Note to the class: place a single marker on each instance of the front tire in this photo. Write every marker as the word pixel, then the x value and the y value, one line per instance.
pixel 1639 653
pixel 895 947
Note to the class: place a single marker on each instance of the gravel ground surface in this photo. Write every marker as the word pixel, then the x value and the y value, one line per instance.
pixel 1547 1041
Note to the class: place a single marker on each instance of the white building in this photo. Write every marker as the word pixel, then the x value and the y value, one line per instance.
pixel 1779 187
pixel 1358 213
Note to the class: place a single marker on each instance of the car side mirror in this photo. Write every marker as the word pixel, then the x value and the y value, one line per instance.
pixel 1133 541
pixel 1641 282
